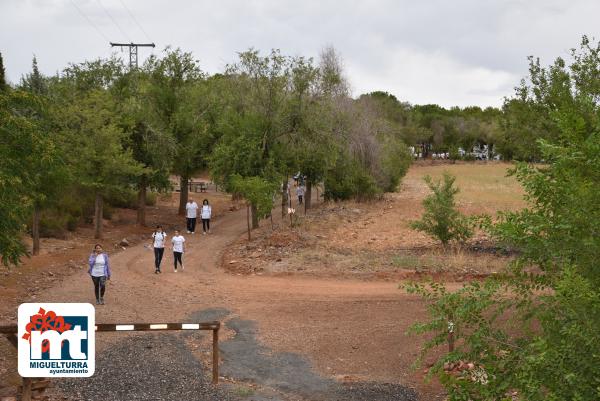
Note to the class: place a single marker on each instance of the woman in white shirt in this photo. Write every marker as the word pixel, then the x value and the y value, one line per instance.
pixel 178 247
pixel 159 237
pixel 99 271
pixel 206 214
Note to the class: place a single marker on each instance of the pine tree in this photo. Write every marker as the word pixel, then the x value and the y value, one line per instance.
pixel 3 84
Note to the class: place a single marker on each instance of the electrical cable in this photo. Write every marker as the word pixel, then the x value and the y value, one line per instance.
pixel 114 22
pixel 90 21
pixel 135 20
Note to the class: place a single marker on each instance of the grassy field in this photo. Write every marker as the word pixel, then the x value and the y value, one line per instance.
pixel 484 187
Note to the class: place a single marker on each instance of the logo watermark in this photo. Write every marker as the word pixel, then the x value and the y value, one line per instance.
pixel 56 340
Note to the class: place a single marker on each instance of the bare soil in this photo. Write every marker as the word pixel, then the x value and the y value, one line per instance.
pixel 326 290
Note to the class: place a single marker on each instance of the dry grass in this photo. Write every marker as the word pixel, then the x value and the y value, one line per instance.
pixel 376 240
pixel 484 187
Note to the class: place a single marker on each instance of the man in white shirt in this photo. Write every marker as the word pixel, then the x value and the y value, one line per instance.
pixel 191 209
pixel 178 247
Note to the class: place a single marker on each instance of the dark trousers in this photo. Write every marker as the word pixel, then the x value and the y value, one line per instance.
pixel 99 286
pixel 158 255
pixel 205 225
pixel 300 199
pixel 191 224
pixel 176 258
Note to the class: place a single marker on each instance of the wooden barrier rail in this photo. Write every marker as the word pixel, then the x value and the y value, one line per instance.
pixel 11 330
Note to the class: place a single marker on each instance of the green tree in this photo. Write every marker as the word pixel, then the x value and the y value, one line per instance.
pixel 173 83
pixel 3 83
pixel 549 347
pixel 151 146
pixel 97 145
pixel 255 123
pixel 441 219
pixel 50 175
pixel 258 192
pixel 25 151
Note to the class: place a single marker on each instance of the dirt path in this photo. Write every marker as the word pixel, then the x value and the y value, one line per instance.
pixel 349 331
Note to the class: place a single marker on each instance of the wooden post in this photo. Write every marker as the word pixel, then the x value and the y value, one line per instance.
pixel 215 378
pixel 450 336
pixel 248 219
pixel 35 230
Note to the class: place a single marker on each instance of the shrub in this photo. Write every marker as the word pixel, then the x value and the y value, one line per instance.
pixel 347 180
pixel 441 220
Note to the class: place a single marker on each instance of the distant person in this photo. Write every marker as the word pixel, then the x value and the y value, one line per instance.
pixel 191 210
pixel 300 193
pixel 178 247
pixel 99 271
pixel 206 213
pixel 159 237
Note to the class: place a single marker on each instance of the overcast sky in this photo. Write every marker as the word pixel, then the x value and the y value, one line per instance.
pixel 460 52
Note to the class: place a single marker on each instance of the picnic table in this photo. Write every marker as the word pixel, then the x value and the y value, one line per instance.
pixel 198 186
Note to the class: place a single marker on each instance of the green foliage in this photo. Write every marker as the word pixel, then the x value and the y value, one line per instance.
pixel 3 83
pixel 540 320
pixel 441 219
pixel 257 191
pixel 28 155
pixel 347 180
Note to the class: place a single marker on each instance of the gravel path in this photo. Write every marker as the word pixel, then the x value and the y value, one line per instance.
pixel 155 367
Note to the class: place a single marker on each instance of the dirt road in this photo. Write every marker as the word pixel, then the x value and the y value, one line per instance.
pixel 342 331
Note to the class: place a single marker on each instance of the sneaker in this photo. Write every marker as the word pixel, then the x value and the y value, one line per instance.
pixel 97 302
pixel 155 271
pixel 101 301
pixel 189 232
pixel 203 232
pixel 175 270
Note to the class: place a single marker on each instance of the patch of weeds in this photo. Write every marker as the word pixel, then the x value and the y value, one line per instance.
pixel 241 391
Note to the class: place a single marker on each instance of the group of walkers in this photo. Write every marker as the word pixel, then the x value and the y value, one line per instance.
pixel 99 265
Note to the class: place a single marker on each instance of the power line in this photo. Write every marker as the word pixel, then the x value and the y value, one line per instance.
pixel 135 20
pixel 114 21
pixel 90 21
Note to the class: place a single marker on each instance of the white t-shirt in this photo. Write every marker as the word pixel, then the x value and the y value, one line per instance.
pixel 206 211
pixel 159 239
pixel 98 268
pixel 177 242
pixel 192 210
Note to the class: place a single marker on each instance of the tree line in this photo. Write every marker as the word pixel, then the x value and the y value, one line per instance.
pixel 99 135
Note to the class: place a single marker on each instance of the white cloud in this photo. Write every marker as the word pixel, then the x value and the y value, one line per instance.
pixel 435 51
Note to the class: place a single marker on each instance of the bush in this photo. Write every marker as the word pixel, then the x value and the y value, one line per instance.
pixel 128 199
pixel 53 224
pixel 441 220
pixel 347 180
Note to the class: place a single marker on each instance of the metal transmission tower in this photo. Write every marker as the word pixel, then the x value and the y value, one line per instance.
pixel 133 51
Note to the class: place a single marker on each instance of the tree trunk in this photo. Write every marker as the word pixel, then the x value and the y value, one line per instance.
pixel 248 220
pixel 141 212
pixel 307 195
pixel 284 198
pixel 254 216
pixel 183 194
pixel 35 230
pixel 98 216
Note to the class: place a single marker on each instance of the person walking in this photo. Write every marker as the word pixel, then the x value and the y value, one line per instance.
pixel 159 237
pixel 206 213
pixel 99 271
pixel 191 209
pixel 300 193
pixel 178 247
